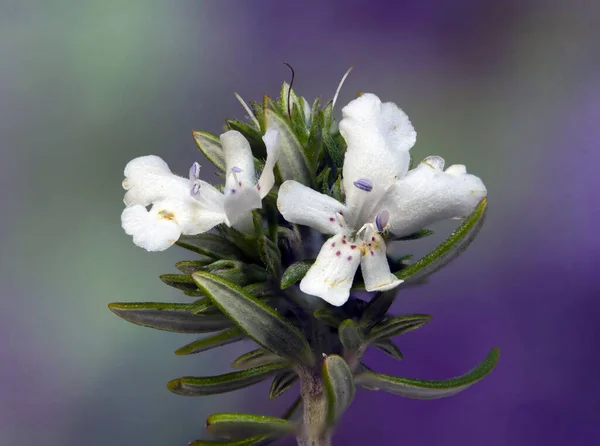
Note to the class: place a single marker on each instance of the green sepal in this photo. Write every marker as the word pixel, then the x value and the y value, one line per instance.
pixel 257 358
pixel 323 180
pixel 252 135
pixel 180 281
pixel 314 145
pixel 339 387
pixel 336 190
pixel 451 248
pixel 240 273
pixel 175 317
pixel 217 340
pixel 428 389
pixel 377 308
pixel 281 383
pixel 331 317
pixel 299 127
pixel 259 290
pixel 388 347
pixel 245 243
pixel 232 425
pixel 210 146
pixel 210 245
pixel 210 385
pixel 398 325
pixel 415 236
pixel 295 272
pixel 270 255
pixel 351 335
pixel 292 162
pixel 258 320
pixel 189 266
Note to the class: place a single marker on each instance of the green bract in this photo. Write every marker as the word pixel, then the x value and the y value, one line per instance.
pixel 242 284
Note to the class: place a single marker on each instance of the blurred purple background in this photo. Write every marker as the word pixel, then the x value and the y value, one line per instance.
pixel 511 89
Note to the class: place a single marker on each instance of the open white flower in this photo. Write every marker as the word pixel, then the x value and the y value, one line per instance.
pixel 192 206
pixel 381 195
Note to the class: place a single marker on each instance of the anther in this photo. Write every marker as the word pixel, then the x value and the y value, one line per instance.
pixel 364 184
pixel 196 189
pixel 195 172
pixel 382 219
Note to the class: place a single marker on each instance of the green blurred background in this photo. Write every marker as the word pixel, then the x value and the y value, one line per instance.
pixel 85 86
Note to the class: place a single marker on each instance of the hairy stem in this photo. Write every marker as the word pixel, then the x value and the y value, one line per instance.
pixel 314 431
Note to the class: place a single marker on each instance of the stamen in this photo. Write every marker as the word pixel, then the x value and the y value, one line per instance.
pixel 337 92
pixel 236 169
pixel 382 220
pixel 248 110
pixel 195 172
pixel 340 219
pixel 195 189
pixel 364 184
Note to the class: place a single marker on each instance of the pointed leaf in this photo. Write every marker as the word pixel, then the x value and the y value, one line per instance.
pixel 332 318
pixel 209 385
pixel 376 309
pixel 259 290
pixel 245 243
pixel 210 245
pixel 339 387
pixel 398 325
pixel 429 389
pixel 240 273
pixel 210 146
pixel 282 382
pixel 189 266
pixel 217 340
pixel 451 248
pixel 270 255
pixel 257 358
pixel 232 425
pixel 351 335
pixel 259 321
pixel 389 348
pixel 179 281
pixel 295 272
pixel 337 190
pixel 292 162
pixel 178 318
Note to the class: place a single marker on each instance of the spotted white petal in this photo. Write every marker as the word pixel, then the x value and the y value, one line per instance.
pixel 238 206
pixel 305 206
pixel 239 161
pixel 379 137
pixel 331 276
pixel 267 178
pixel 374 266
pixel 428 194
pixel 149 179
pixel 150 230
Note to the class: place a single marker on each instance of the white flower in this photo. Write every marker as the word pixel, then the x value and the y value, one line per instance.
pixel 381 195
pixel 192 206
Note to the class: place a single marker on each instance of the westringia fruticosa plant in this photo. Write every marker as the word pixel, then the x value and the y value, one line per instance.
pixel 281 267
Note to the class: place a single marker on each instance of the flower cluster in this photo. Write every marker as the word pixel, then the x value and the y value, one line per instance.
pixel 379 197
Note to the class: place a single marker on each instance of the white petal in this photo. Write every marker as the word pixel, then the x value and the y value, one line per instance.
pixel 379 137
pixel 374 266
pixel 267 177
pixel 305 206
pixel 148 179
pixel 428 194
pixel 150 231
pixel 238 157
pixel 239 205
pixel 331 276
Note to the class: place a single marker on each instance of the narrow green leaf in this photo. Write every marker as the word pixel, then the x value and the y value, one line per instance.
pixel 389 348
pixel 270 255
pixel 451 248
pixel 262 289
pixel 428 389
pixel 351 335
pixel 323 180
pixel 377 308
pixel 332 318
pixel 240 273
pixel 257 358
pixel 295 272
pixel 339 387
pixel 252 135
pixel 417 235
pixel 282 382
pixel 210 385
pixel 217 340
pixel 398 325
pixel 178 318
pixel 210 146
pixel 292 162
pixel 245 243
pixel 231 425
pixel 179 281
pixel 210 245
pixel 259 321
pixel 189 266
pixel 336 190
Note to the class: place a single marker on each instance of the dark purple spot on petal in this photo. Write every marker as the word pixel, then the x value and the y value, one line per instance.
pixel 339 253
pixel 349 258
